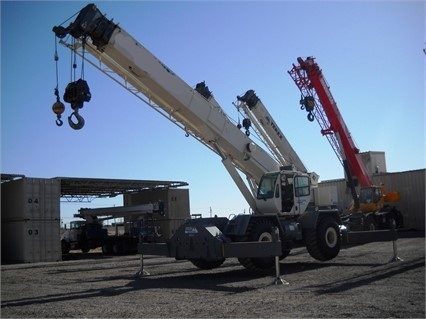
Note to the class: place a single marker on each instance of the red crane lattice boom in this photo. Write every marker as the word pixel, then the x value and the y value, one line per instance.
pixel 319 103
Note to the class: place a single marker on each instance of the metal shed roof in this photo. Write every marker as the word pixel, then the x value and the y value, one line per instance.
pixel 73 187
pixel 86 189
pixel 10 177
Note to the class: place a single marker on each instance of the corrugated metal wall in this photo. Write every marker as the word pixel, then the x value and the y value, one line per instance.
pixel 410 185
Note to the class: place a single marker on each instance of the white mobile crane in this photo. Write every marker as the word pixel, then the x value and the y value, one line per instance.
pixel 278 187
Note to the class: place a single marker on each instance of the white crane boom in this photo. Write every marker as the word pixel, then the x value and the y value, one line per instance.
pixel 119 55
pixel 269 130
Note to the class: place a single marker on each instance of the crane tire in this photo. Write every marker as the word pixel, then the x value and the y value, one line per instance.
pixel 85 248
pixel 118 248
pixel 106 248
pixel 65 247
pixel 261 231
pixel 207 264
pixel 369 223
pixel 323 243
pixel 395 220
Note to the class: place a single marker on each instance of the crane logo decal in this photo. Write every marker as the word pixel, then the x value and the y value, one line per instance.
pixel 274 127
pixel 191 230
pixel 165 67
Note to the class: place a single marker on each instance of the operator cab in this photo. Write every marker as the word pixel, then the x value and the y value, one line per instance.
pixel 77 224
pixel 284 193
pixel 370 194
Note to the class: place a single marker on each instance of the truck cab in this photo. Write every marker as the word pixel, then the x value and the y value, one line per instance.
pixel 83 235
pixel 284 193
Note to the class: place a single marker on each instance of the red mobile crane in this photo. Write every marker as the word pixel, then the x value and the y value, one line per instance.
pixel 318 101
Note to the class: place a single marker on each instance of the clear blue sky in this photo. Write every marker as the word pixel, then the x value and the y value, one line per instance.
pixel 371 54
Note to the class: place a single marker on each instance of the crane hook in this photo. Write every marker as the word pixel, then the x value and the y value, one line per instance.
pixel 80 121
pixel 59 122
pixel 58 108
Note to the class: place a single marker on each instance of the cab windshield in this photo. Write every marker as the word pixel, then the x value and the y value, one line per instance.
pixel 77 224
pixel 370 195
pixel 267 186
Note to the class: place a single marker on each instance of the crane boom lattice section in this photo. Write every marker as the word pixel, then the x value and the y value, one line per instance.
pixel 309 95
pixel 320 104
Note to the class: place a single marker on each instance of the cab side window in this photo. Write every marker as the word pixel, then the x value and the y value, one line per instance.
pixel 301 184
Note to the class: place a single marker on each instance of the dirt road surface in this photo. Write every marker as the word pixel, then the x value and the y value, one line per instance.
pixel 360 282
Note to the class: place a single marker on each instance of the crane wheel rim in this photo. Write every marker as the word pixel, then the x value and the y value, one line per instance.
pixel 265 236
pixel 331 237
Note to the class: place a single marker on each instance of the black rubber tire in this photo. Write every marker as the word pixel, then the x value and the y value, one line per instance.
pixel 107 249
pixel 369 223
pixel 118 248
pixel 85 247
pixel 323 243
pixel 261 231
pixel 207 264
pixel 396 218
pixel 65 247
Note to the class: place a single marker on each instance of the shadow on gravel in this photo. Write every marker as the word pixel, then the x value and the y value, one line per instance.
pixel 231 282
pixel 299 267
pixel 65 297
pixel 84 256
pixel 226 280
pixel 368 277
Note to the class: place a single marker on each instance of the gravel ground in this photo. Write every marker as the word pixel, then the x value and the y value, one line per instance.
pixel 360 282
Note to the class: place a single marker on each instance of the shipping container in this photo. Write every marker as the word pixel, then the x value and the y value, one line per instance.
pixel 30 198
pixel 30 241
pixel 326 196
pixel 30 215
pixel 411 187
pixel 176 207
